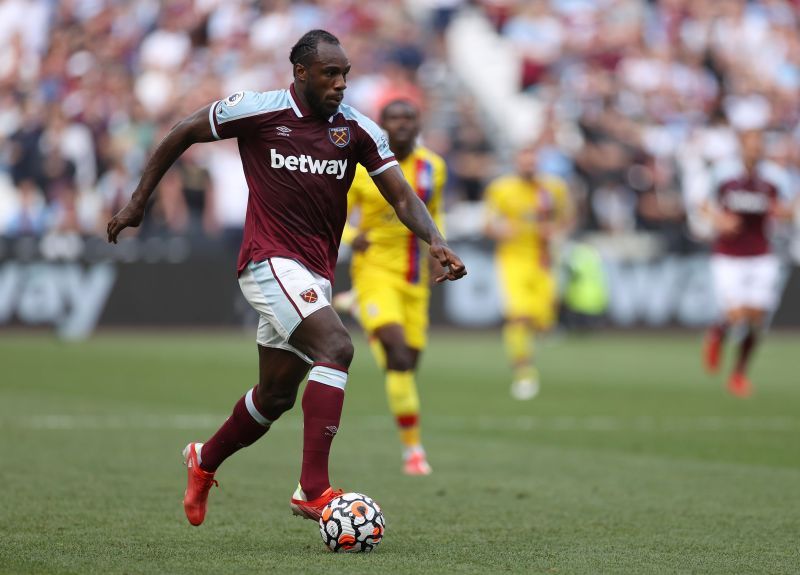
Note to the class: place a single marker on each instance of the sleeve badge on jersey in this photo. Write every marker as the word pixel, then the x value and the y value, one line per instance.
pixel 234 99
pixel 339 137
pixel 309 295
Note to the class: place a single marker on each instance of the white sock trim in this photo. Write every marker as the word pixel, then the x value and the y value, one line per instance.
pixel 254 413
pixel 328 376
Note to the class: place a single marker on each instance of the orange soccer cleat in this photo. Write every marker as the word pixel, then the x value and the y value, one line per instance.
pixel 712 350
pixel 195 497
pixel 739 385
pixel 312 509
pixel 416 463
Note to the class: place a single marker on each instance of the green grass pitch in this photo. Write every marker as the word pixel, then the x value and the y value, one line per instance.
pixel 630 461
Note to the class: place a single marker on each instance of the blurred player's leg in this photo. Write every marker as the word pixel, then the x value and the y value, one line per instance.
pixel 402 395
pixel 712 346
pixel 739 384
pixel 395 316
pixel 518 338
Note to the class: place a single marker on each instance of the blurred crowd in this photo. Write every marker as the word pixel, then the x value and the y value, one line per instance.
pixel 641 99
pixel 638 98
pixel 88 87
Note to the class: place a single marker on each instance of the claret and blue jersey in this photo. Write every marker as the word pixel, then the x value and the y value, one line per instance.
pixel 298 168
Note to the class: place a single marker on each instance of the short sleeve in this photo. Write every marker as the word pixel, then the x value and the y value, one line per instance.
pixel 229 117
pixel 563 203
pixel 779 177
pixel 373 147
pixel 492 197
pixel 723 171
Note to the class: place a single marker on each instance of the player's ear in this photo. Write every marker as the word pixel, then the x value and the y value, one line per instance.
pixel 300 72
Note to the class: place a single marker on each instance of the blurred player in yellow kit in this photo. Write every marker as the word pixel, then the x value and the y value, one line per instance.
pixel 526 211
pixel 390 272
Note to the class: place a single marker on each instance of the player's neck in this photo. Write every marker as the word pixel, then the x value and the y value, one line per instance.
pixel 401 152
pixel 305 108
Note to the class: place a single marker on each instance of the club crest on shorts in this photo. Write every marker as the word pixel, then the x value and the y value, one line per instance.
pixel 309 295
pixel 340 137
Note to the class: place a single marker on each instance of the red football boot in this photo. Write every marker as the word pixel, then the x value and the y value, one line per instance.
pixel 312 509
pixel 739 385
pixel 415 463
pixel 195 498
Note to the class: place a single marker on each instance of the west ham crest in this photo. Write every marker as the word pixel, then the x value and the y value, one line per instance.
pixel 340 137
pixel 309 295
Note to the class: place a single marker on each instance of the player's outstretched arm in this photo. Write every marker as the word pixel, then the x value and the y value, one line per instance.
pixel 188 131
pixel 723 223
pixel 415 216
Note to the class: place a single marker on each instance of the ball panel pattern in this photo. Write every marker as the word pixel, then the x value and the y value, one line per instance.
pixel 352 523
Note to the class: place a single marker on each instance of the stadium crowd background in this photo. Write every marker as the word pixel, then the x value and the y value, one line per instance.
pixel 631 101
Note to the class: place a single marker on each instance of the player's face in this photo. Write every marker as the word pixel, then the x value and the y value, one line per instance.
pixel 326 79
pixel 401 122
pixel 752 146
pixel 526 162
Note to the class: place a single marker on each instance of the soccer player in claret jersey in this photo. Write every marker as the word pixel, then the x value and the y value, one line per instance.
pixel 299 148
pixel 390 273
pixel 743 267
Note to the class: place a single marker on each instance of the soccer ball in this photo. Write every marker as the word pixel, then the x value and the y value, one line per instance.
pixel 352 523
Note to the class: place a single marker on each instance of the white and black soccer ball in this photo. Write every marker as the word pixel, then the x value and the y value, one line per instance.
pixel 352 523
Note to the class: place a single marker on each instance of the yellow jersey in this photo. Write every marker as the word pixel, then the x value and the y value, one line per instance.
pixel 523 205
pixel 392 246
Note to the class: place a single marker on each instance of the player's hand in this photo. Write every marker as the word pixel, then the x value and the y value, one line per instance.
pixel 500 230
pixel 360 243
pixel 128 217
pixel 547 229
pixel 727 224
pixel 448 260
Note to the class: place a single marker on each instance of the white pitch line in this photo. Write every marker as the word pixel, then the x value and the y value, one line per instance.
pixel 565 423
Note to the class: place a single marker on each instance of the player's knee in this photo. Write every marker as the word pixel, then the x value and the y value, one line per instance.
pixel 280 404
pixel 275 402
pixel 338 349
pixel 399 358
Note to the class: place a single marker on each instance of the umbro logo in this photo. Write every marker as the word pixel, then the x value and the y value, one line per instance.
pixel 331 430
pixel 283 130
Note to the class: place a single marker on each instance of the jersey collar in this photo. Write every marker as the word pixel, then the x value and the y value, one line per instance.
pixel 299 109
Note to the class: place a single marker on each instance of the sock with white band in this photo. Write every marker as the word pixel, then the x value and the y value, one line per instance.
pixel 244 427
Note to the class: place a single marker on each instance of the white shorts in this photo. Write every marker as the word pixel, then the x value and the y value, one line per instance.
pixel 283 292
pixel 745 281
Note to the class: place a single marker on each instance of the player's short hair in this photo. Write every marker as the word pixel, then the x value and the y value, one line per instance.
pixel 398 101
pixel 306 47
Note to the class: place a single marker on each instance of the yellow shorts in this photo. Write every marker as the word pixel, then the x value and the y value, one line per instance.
pixel 385 298
pixel 528 292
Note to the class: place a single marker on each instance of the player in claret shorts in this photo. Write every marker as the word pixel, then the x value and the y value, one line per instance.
pixel 299 149
pixel 744 269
